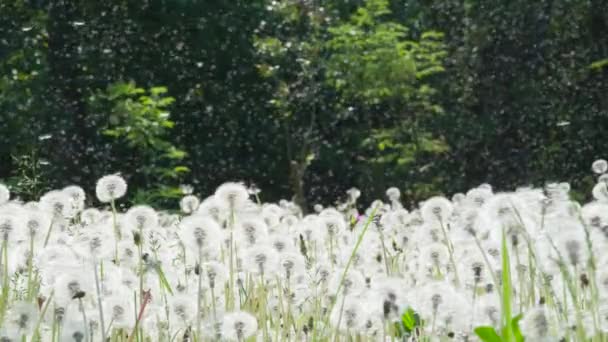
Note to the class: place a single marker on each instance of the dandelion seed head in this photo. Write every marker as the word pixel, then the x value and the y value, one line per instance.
pixel 23 315
pixel 200 232
pixel 111 187
pixel 232 195
pixel 189 204
pixel 436 209
pixel 5 194
pixel 57 203
pixel 600 192
pixel 599 166
pixel 535 324
pixel 142 216
pixel 393 194
pixel 238 326
pixel 78 196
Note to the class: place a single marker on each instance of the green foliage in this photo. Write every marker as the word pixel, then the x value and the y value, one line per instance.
pixel 30 177
pixel 330 72
pixel 375 63
pixel 597 65
pixel 140 119
pixel 408 323
pixel 438 94
pixel 372 58
pixel 489 334
pixel 390 142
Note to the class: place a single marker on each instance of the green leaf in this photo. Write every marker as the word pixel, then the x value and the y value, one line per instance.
pixel 168 124
pixel 181 169
pixel 519 337
pixel 175 153
pixel 111 133
pixel 410 320
pixel 599 64
pixel 158 90
pixel 487 334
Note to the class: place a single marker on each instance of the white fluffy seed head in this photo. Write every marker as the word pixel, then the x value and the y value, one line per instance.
pixel 353 194
pixel 436 209
pixel 73 330
pixel 142 217
pixel 57 203
pixel 111 187
pixel 90 216
pixel 23 316
pixel 238 326
pixel 189 204
pixel 348 317
pixel 393 194
pixel 37 222
pixel 77 195
pixel 600 166
pixel 119 309
pixel 600 192
pixel 11 227
pixel 5 194
pixel 251 231
pixel 537 325
pixel 232 195
pixel 260 260
pixel 200 232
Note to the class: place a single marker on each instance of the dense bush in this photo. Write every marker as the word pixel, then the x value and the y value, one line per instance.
pixel 307 98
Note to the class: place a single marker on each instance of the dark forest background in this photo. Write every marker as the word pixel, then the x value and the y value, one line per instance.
pixel 304 98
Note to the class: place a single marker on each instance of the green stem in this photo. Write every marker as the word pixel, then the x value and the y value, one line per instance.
pixel 99 302
pixel 48 233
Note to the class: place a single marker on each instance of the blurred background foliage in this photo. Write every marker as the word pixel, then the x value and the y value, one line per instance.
pixel 304 98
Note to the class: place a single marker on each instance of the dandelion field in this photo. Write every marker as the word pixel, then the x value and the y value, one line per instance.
pixel 482 266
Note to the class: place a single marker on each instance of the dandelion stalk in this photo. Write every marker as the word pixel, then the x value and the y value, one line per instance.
pixel 146 299
pixel 30 266
pixel 117 236
pixel 385 255
pixel 99 302
pixel 198 294
pixel 450 252
pixel 5 281
pixel 48 233
pixel 506 291
pixel 36 334
pixel 84 318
